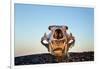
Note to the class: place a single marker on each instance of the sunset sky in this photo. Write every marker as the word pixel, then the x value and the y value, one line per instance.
pixel 32 21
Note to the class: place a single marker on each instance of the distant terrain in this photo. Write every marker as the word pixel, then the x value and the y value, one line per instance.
pixel 48 58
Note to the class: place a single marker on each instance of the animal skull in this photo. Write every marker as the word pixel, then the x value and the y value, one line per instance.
pixel 58 42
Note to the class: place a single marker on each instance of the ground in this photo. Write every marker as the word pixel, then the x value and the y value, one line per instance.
pixel 48 58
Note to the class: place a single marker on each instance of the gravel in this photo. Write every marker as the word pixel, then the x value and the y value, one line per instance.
pixel 46 58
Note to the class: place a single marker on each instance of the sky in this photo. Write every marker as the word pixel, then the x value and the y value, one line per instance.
pixel 31 22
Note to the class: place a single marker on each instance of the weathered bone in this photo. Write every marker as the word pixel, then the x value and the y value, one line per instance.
pixel 68 41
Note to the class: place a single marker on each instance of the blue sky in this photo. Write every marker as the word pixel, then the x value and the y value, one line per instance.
pixel 32 21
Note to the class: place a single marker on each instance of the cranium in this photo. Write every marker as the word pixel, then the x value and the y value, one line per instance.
pixel 59 41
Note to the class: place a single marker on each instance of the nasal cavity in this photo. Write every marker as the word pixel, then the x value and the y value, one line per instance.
pixel 58 34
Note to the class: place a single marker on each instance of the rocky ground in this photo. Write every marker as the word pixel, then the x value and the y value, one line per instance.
pixel 48 58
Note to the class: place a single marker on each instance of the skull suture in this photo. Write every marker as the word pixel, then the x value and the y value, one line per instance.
pixel 58 41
